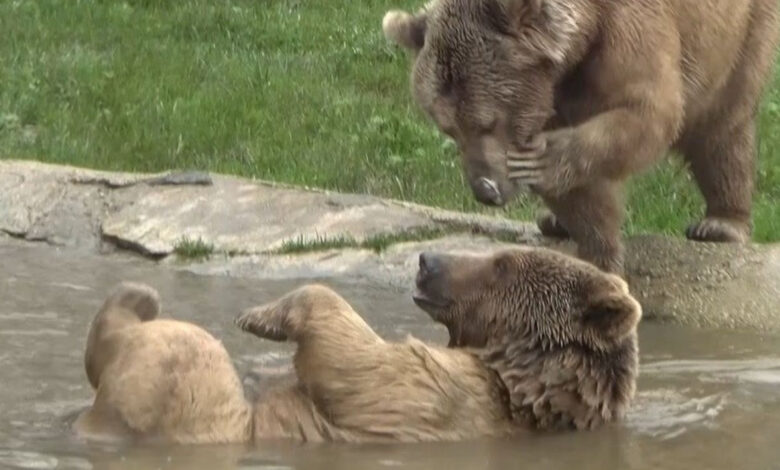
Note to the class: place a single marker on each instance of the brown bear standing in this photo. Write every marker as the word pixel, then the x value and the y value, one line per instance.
pixel 571 97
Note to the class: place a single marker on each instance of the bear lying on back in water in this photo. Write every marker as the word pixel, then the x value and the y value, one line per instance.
pixel 571 97
pixel 539 341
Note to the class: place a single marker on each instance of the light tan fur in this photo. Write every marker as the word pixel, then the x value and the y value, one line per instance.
pixel 571 97
pixel 172 381
pixel 539 341
pixel 159 378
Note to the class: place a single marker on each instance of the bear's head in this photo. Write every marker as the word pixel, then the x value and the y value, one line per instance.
pixel 485 72
pixel 561 333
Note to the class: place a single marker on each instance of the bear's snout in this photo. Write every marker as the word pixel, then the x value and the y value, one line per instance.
pixel 487 192
pixel 429 282
pixel 430 264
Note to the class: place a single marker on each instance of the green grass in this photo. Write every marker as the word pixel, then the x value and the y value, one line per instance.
pixel 305 245
pixel 304 92
pixel 376 243
pixel 381 242
pixel 193 249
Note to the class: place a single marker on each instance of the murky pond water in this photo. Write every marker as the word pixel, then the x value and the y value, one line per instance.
pixel 705 400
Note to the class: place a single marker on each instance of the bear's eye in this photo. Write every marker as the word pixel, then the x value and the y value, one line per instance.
pixel 487 126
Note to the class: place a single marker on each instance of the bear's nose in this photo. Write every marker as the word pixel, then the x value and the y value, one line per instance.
pixel 486 191
pixel 429 264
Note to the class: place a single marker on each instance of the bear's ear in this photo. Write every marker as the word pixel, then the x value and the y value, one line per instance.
pixel 405 29
pixel 610 316
pixel 546 26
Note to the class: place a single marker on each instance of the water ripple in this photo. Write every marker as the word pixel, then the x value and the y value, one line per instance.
pixel 27 460
pixel 668 413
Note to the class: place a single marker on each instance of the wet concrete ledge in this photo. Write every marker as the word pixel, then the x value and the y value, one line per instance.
pixel 266 230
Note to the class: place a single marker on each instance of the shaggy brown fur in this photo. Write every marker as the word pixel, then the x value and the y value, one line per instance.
pixel 543 342
pixel 560 332
pixel 570 97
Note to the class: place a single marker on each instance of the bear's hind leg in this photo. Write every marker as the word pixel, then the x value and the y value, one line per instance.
pixel 128 304
pixel 338 353
pixel 722 148
pixel 304 315
pixel 723 163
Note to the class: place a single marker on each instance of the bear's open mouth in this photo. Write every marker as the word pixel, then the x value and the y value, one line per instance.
pixel 426 302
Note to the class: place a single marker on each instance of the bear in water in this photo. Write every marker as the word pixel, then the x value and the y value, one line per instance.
pixel 539 341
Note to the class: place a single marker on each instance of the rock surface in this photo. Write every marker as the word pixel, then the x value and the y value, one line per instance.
pixel 706 284
pixel 250 223
pixel 152 213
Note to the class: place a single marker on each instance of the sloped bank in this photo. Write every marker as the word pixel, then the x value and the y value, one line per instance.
pixel 267 230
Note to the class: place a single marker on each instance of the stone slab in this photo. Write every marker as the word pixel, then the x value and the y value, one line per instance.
pixel 240 216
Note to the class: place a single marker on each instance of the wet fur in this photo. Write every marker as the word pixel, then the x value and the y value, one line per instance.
pixel 560 332
pixel 540 341
pixel 612 85
pixel 168 380
pixel 159 378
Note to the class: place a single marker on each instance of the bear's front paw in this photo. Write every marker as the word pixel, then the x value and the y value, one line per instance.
pixel 546 163
pixel 550 226
pixel 526 167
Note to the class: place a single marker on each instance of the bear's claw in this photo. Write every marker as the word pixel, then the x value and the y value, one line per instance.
pixel 713 229
pixel 550 226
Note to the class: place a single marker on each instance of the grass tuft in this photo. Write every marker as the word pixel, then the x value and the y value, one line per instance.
pixel 303 244
pixel 190 249
pixel 377 243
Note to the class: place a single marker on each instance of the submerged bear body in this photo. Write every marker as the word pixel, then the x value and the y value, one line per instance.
pixel 168 380
pixel 539 341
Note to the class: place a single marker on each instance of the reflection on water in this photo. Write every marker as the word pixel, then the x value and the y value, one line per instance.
pixel 705 399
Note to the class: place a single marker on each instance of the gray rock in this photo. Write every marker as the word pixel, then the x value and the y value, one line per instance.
pixel 237 216
pixel 706 284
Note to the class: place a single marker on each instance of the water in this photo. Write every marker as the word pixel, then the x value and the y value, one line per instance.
pixel 705 399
